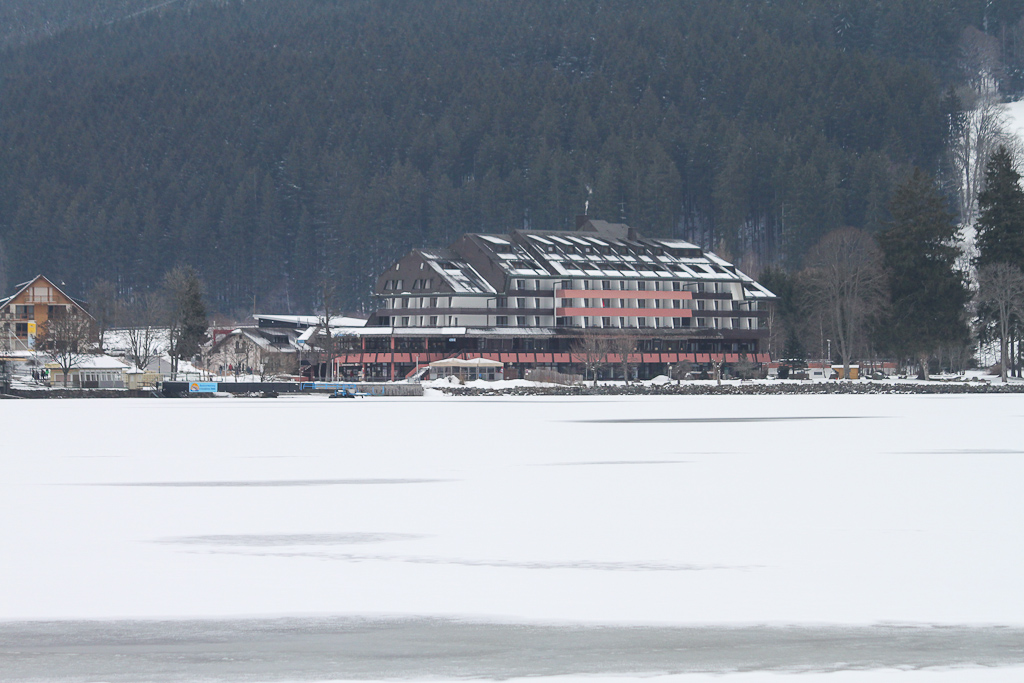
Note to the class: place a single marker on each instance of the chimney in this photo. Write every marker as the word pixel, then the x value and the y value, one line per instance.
pixel 581 220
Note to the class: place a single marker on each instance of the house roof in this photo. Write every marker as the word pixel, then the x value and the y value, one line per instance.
pixel 262 337
pixel 305 321
pixel 97 362
pixel 25 285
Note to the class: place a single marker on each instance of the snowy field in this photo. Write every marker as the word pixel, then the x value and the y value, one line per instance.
pixel 844 538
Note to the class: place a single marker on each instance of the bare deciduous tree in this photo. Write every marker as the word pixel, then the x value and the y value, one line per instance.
pixel 591 351
pixel 977 133
pixel 981 125
pixel 623 345
pixel 66 337
pixel 142 315
pixel 1002 286
pixel 843 284
pixel 103 308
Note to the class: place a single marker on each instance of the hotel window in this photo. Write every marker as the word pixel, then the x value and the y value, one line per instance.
pixel 405 321
pixel 501 320
pixel 536 284
pixel 24 312
pixel 433 302
pixel 606 303
pixel 676 286
pixel 622 284
pixel 605 284
pixel 433 321
pixel 622 322
pixel 536 320
pixel 520 284
pixel 536 303
pixel 21 329
pixel 701 322
pixel 521 320
pixel 606 322
pixel 520 303
pixel 641 286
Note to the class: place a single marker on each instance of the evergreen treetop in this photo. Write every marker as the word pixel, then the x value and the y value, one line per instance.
pixel 927 291
pixel 1000 225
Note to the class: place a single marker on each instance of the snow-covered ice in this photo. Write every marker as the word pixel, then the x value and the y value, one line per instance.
pixel 830 512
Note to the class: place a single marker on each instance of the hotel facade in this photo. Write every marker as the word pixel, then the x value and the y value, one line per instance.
pixel 528 297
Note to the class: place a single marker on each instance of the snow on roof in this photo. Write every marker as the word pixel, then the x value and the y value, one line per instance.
pixel 100 362
pixel 461 277
pixel 494 240
pixel 676 244
pixel 467 363
pixel 299 320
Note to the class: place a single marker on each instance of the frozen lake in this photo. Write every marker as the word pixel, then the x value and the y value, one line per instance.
pixel 311 539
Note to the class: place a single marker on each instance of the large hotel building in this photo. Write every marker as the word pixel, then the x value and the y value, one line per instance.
pixel 526 297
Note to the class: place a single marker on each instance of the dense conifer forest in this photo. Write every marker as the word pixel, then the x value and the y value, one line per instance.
pixel 275 146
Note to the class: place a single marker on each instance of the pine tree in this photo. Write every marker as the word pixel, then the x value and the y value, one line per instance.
pixel 186 313
pixel 927 291
pixel 1000 225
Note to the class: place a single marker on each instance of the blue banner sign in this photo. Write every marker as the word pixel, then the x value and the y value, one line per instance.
pixel 202 387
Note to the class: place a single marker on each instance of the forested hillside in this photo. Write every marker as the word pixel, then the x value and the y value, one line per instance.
pixel 276 145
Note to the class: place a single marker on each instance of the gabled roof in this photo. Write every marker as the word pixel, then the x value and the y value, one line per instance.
pixel 455 271
pixel 260 336
pixel 25 285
